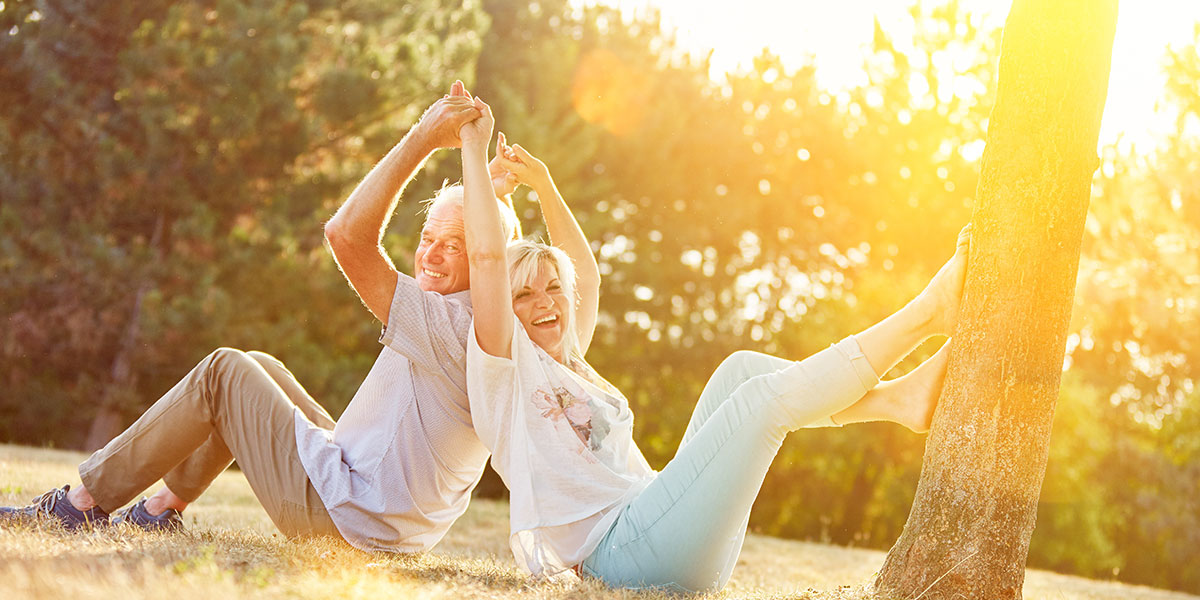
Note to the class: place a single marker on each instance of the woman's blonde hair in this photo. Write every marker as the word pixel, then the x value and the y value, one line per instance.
pixel 525 257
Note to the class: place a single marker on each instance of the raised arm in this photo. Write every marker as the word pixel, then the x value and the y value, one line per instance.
pixel 356 230
pixel 491 292
pixel 564 232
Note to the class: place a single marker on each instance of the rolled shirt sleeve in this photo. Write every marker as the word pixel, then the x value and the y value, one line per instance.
pixel 429 328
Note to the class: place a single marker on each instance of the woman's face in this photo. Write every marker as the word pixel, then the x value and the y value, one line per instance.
pixel 541 306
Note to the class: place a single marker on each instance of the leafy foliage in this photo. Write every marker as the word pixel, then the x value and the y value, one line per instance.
pixel 167 167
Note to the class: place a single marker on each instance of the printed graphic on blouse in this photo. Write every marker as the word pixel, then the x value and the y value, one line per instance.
pixel 560 403
pixel 587 414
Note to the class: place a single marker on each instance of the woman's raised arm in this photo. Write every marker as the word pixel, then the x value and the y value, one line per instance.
pixel 564 232
pixel 491 293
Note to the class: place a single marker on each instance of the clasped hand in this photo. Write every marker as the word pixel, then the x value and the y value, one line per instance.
pixel 441 123
pixel 524 167
pixel 512 165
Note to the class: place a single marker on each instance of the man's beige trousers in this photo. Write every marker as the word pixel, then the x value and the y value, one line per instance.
pixel 233 405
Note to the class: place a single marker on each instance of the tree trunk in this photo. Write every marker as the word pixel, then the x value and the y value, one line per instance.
pixel 968 533
pixel 107 422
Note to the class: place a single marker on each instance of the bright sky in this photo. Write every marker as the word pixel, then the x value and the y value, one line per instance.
pixel 833 32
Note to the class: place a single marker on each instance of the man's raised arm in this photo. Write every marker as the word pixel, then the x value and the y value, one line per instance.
pixel 356 230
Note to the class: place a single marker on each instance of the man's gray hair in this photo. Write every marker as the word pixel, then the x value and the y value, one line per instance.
pixel 453 194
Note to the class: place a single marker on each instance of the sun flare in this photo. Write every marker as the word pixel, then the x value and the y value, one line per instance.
pixel 834 34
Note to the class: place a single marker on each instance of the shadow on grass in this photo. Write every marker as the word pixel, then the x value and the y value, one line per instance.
pixel 442 568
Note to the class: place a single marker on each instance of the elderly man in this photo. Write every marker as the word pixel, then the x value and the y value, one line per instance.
pixel 398 468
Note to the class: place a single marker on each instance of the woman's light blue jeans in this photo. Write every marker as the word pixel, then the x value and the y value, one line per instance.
pixel 684 532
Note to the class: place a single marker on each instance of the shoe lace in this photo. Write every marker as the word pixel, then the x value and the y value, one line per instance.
pixel 46 502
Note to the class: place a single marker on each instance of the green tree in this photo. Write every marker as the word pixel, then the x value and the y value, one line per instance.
pixel 969 529
pixel 1122 467
pixel 166 169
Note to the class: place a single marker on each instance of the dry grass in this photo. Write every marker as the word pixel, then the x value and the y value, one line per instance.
pixel 231 550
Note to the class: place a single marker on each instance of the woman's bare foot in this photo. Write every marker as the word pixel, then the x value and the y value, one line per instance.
pixel 942 296
pixel 914 396
pixel 909 400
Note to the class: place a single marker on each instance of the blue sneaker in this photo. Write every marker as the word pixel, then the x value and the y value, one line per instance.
pixel 137 516
pixel 53 505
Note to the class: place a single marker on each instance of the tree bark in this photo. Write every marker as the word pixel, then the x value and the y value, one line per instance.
pixel 968 533
pixel 106 424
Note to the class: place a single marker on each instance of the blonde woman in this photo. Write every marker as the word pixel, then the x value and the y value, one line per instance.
pixel 583 497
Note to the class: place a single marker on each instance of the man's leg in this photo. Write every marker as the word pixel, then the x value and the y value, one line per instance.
pixel 231 397
pixel 295 392
pixel 188 480
pixel 264 444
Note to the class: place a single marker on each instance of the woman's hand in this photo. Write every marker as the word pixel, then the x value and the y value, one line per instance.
pixel 502 181
pixel 564 232
pixel 478 132
pixel 525 166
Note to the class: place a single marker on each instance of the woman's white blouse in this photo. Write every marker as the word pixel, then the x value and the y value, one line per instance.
pixel 562 441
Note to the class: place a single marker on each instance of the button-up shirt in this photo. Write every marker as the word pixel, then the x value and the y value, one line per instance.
pixel 399 466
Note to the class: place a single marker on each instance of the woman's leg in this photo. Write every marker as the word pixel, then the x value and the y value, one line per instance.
pixel 909 400
pixel 735 370
pixel 685 530
pixel 228 395
pixel 933 312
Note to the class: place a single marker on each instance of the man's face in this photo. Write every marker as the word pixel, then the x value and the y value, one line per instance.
pixel 441 261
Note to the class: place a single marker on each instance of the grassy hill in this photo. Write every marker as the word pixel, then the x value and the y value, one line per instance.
pixel 231 550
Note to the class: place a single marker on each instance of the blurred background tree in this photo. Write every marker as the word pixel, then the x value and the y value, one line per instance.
pixel 166 168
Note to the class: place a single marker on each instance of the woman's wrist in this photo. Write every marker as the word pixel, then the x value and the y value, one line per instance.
pixel 475 147
pixel 544 186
